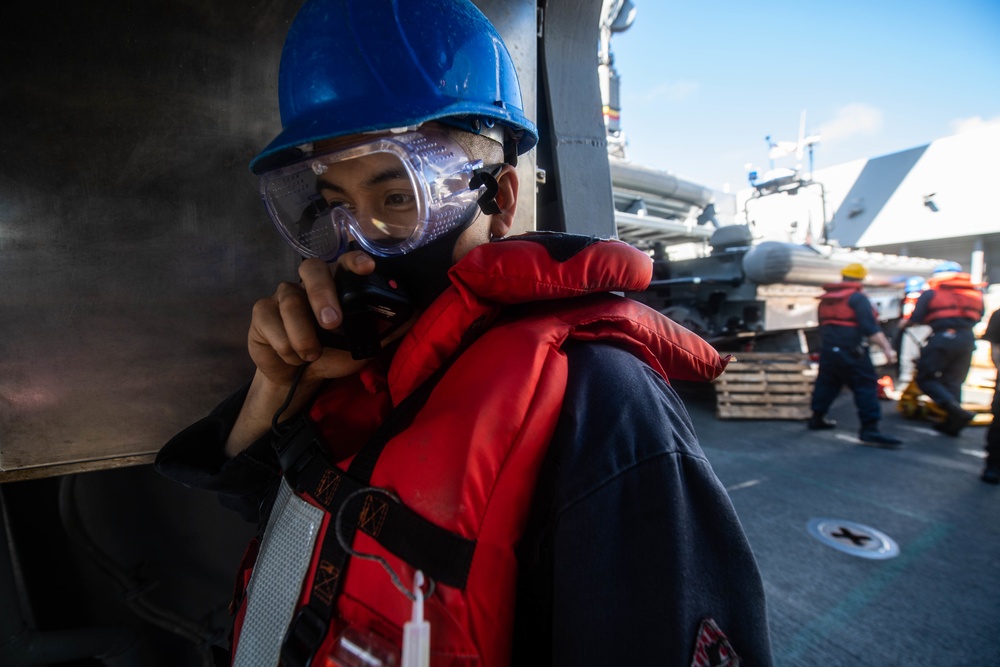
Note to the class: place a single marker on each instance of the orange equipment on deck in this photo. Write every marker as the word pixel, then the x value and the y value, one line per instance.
pixel 914 404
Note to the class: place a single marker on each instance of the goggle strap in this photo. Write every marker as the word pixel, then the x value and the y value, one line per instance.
pixel 510 152
pixel 487 201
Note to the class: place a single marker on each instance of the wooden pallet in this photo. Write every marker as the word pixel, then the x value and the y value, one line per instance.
pixel 765 385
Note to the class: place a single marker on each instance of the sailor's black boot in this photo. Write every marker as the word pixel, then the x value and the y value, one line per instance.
pixel 872 436
pixel 957 419
pixel 990 475
pixel 820 422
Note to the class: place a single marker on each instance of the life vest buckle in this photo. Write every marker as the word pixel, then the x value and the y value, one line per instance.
pixel 293 448
pixel 304 636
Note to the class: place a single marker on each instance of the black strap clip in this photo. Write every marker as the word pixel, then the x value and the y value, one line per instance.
pixel 482 177
pixel 303 638
pixel 293 448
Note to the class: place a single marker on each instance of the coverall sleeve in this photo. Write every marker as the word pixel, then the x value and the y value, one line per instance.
pixel 634 541
pixel 862 307
pixel 992 333
pixel 921 307
pixel 196 458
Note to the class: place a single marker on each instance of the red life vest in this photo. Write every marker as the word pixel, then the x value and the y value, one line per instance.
pixel 955 295
pixel 469 460
pixel 833 307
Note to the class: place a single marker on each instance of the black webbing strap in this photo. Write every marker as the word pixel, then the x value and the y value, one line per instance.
pixel 442 555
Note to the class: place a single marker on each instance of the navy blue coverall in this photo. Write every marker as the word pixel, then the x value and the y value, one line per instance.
pixel 626 493
pixel 844 360
pixel 944 362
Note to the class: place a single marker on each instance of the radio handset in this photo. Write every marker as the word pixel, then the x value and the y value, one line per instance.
pixel 373 307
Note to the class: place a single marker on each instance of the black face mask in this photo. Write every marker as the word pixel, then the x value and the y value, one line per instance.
pixel 423 272
pixel 376 305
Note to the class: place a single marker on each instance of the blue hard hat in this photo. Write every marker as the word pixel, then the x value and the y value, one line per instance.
pixel 946 267
pixel 916 284
pixel 351 66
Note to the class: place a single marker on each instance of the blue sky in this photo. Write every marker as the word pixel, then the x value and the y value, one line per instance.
pixel 702 83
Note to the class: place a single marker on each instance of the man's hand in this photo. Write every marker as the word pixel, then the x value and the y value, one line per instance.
pixel 283 332
pixel 882 341
pixel 283 337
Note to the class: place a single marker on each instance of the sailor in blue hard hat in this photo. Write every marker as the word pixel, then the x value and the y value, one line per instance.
pixel 436 98
pixel 951 305
pixel 423 499
pixel 912 338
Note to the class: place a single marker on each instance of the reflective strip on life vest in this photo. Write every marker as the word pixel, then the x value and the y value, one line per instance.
pixel 275 585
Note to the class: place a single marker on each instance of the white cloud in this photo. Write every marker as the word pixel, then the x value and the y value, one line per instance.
pixel 851 120
pixel 676 91
pixel 960 125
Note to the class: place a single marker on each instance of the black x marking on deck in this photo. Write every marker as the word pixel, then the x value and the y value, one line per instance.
pixel 857 539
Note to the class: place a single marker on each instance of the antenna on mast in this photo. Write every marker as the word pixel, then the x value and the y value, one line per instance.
pixel 616 16
pixel 780 149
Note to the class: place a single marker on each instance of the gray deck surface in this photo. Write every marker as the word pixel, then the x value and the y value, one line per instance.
pixel 936 604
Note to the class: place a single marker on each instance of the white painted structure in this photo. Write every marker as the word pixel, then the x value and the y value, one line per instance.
pixel 937 200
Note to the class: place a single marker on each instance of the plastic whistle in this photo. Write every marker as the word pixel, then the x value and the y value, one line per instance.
pixel 417 631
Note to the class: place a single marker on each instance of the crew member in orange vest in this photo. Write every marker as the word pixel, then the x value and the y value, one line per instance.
pixel 912 340
pixel 951 305
pixel 847 325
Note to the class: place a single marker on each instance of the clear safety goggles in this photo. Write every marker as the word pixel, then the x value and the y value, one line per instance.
pixel 392 194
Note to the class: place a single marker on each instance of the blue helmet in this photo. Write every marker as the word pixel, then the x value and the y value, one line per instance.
pixel 948 267
pixel 916 284
pixel 351 66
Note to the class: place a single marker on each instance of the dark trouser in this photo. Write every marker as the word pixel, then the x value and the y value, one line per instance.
pixel 993 434
pixel 839 367
pixel 944 363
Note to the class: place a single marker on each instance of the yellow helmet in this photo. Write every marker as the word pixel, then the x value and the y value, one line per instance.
pixel 855 271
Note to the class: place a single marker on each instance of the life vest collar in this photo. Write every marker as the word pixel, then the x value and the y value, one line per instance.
pixel 537 267
pixel 956 280
pixel 846 286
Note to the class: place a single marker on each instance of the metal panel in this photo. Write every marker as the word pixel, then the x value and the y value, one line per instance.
pixel 132 240
pixel 573 150
pixel 515 20
pixel 874 187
